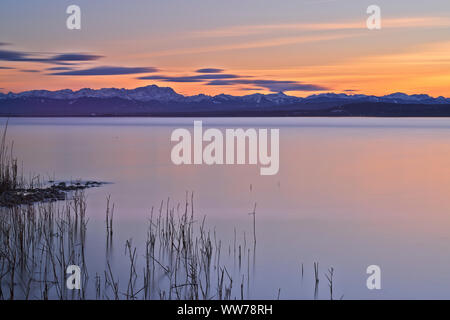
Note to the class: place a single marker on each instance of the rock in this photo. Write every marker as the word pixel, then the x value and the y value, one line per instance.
pixel 54 192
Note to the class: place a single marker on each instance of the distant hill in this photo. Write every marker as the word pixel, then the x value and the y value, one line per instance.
pixel 161 101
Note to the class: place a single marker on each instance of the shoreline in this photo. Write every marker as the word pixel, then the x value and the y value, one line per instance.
pixel 55 192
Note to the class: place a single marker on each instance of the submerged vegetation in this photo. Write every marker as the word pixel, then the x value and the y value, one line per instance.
pixel 9 179
pixel 37 243
pixel 180 258
pixel 15 190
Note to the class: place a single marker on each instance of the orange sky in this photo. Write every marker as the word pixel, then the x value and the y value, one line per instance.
pixel 411 54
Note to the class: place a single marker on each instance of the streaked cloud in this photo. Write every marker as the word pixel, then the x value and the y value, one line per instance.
pixel 105 71
pixel 59 69
pixel 272 85
pixel 64 57
pixel 21 56
pixel 250 89
pixel 266 43
pixel 196 78
pixel 245 30
pixel 7 55
pixel 209 70
pixel 431 53
pixel 223 79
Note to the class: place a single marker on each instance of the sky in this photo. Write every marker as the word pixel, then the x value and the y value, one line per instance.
pixel 239 47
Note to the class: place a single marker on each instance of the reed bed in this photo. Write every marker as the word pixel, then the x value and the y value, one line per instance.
pixel 9 178
pixel 185 256
pixel 181 258
pixel 37 244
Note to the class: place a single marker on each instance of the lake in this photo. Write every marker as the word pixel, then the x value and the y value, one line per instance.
pixel 350 192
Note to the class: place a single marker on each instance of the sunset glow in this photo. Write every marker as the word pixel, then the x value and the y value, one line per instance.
pixel 325 47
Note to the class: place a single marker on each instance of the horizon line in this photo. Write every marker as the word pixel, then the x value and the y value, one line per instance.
pixel 256 93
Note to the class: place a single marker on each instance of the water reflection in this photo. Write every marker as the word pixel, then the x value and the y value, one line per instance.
pixel 350 193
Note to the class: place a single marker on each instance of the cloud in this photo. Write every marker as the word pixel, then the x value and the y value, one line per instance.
pixel 209 70
pixel 7 55
pixel 29 71
pixel 6 68
pixel 224 79
pixel 105 71
pixel 257 44
pixel 272 85
pixel 74 57
pixel 250 89
pixel 63 58
pixel 59 69
pixel 4 44
pixel 245 30
pixel 196 78
pixel 170 79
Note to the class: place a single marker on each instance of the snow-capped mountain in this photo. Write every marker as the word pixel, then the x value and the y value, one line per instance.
pixel 163 101
pixel 166 94
pixel 148 93
pixel 398 97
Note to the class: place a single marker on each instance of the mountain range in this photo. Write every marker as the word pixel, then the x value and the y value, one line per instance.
pixel 164 101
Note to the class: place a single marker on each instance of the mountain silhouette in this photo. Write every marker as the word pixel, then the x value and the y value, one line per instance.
pixel 164 101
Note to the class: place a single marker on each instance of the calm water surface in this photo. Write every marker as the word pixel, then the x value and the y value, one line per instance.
pixel 351 192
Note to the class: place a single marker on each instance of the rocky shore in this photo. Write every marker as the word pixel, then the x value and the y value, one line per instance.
pixel 54 192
